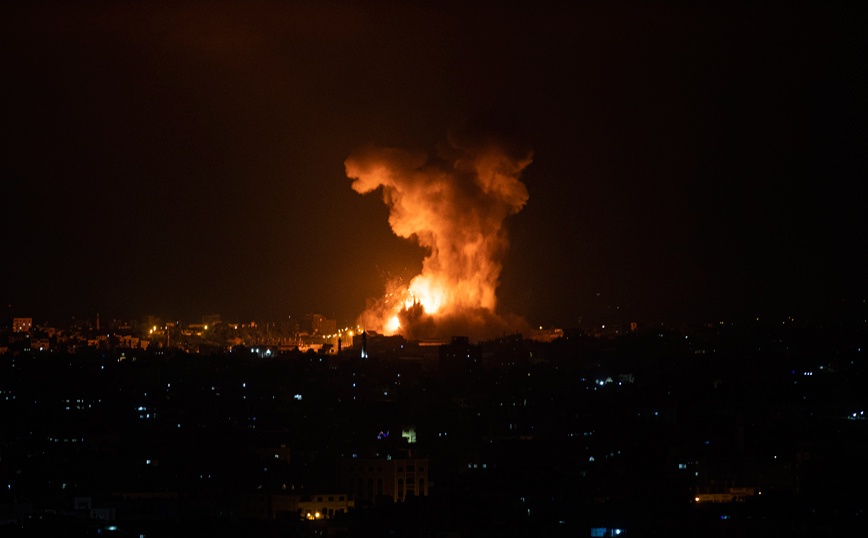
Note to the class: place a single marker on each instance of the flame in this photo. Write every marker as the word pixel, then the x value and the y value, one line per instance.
pixel 454 207
pixel 392 325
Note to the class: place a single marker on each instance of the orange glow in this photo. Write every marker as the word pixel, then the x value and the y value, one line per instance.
pixel 427 293
pixel 392 325
pixel 455 209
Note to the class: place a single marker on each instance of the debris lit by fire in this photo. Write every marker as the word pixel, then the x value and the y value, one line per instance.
pixel 454 205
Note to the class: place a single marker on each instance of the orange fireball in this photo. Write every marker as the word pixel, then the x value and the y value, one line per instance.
pixel 455 208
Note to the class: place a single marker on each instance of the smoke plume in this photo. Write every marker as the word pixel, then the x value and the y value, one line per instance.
pixel 453 206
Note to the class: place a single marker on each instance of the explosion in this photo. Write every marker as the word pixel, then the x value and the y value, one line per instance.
pixel 453 206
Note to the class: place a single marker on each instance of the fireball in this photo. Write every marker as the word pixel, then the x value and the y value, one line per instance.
pixel 454 207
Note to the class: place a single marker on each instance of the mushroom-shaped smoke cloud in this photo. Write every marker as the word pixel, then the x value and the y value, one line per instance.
pixel 454 206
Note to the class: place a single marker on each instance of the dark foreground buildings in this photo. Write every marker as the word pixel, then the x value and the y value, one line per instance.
pixel 744 429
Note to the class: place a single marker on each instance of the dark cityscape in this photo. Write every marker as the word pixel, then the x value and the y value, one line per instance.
pixel 432 270
pixel 157 428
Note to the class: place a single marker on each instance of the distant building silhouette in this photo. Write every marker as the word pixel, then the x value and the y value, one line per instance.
pixel 370 478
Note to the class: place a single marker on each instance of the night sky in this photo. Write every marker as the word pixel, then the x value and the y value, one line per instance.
pixel 181 160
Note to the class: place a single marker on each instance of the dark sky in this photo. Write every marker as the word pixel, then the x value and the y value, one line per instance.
pixel 187 159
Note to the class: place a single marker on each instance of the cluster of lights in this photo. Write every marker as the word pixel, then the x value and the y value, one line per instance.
pixel 346 331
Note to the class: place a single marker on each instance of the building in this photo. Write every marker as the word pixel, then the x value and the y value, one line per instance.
pixel 22 325
pixel 288 507
pixel 318 324
pixel 367 479
pixel 460 356
pixel 324 506
pixel 375 345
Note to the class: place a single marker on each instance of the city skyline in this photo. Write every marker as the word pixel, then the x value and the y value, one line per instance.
pixel 727 429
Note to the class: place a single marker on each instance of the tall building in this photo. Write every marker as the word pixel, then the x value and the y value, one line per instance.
pixel 22 325
pixel 366 479
pixel 318 324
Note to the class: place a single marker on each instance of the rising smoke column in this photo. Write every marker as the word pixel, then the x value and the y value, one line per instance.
pixel 454 206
